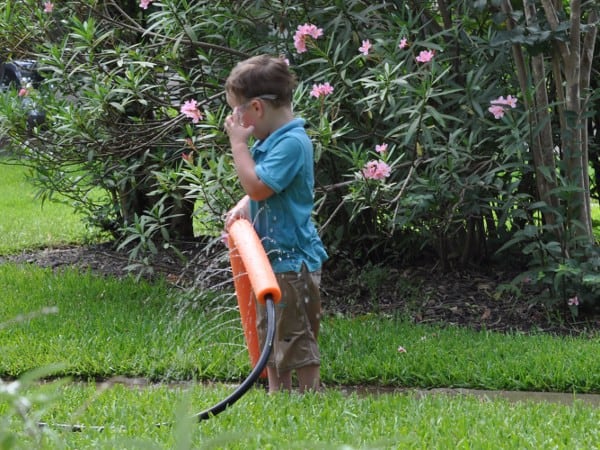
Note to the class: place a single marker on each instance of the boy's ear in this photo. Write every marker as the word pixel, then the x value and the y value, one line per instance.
pixel 258 106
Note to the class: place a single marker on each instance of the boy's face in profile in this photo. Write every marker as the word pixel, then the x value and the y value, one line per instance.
pixel 258 112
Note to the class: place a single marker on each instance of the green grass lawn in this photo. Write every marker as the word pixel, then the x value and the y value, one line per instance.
pixel 329 421
pixel 26 223
pixel 97 328
pixel 82 330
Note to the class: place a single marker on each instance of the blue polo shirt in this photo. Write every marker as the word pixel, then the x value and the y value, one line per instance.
pixel 284 162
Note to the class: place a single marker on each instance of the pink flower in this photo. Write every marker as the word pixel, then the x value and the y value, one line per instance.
pixel 403 44
pixel 365 47
pixel 22 92
pixel 145 3
pixel 48 7
pixel 302 33
pixel 310 30
pixel 190 109
pixel 381 148
pixel 573 301
pixel 376 170
pixel 321 90
pixel 508 101
pixel 497 111
pixel 425 56
pixel 498 105
pixel 511 101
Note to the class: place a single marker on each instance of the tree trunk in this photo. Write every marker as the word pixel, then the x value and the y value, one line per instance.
pixel 137 200
pixel 542 147
pixel 575 58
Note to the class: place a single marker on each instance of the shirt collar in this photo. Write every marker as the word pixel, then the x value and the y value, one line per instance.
pixel 265 144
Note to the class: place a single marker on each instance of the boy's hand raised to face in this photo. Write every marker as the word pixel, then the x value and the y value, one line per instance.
pixel 237 132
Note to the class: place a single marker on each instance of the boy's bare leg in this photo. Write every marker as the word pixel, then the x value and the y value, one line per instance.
pixel 309 378
pixel 281 381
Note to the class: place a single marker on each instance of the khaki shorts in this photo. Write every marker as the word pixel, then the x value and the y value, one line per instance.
pixel 297 318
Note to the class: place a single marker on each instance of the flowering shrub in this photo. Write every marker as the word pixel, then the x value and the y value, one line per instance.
pixel 372 87
pixel 403 109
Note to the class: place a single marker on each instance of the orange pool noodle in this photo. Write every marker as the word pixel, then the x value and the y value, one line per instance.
pixel 252 272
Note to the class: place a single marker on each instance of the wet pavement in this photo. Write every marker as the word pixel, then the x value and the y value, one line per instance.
pixel 527 396
pixel 513 396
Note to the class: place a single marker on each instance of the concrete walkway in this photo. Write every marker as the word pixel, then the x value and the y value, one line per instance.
pixel 513 396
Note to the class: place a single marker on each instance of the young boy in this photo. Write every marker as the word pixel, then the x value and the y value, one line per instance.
pixel 277 176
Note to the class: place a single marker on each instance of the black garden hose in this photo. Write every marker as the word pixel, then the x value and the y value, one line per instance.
pixel 253 376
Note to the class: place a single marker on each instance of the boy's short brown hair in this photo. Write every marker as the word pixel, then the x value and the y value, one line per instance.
pixel 262 75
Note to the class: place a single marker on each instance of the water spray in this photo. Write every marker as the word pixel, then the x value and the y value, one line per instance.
pixel 253 279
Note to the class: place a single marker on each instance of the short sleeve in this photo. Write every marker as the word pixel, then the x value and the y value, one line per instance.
pixel 281 164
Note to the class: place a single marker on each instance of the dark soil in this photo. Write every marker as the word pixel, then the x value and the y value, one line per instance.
pixel 424 293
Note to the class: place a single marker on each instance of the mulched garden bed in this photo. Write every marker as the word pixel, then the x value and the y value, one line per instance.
pixel 424 293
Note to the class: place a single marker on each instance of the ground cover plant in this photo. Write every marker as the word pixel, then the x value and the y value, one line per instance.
pixel 74 325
